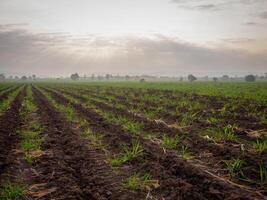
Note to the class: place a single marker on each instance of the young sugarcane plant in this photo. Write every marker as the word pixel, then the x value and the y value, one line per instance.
pixel 128 155
pixel 260 146
pixel 263 174
pixel 234 167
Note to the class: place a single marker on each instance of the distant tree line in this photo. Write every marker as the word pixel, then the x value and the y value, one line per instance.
pixel 143 78
pixel 17 78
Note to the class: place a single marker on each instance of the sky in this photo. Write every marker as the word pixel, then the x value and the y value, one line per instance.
pixel 155 37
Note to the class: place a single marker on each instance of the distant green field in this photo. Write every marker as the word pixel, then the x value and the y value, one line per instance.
pixel 253 91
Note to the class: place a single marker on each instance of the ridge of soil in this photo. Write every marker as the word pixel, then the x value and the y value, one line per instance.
pixel 194 182
pixel 69 164
pixel 196 143
pixel 5 94
pixel 9 122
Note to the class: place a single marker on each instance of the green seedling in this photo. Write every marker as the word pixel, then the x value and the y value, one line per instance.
pixel 170 142
pixel 144 182
pixel 229 133
pixel 234 167
pixel 128 155
pixel 260 146
pixel 186 154
pixel 263 174
pixel 95 139
pixel 213 120
pixel 134 127
pixel 12 192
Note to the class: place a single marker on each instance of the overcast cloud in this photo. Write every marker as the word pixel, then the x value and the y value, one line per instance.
pixel 172 37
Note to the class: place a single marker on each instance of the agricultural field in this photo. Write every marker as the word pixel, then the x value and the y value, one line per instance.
pixel 113 141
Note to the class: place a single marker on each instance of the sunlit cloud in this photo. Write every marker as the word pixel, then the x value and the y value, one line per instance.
pixel 59 54
pixel 170 37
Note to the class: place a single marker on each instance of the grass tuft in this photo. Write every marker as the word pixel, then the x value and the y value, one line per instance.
pixel 260 146
pixel 170 142
pixel 12 192
pixel 141 182
pixel 186 155
pixel 128 155
pixel 234 167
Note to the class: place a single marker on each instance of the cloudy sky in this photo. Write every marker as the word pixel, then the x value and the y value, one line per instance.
pixel 158 37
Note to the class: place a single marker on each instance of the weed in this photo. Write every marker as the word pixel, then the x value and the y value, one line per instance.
pixel 69 113
pixel 12 192
pixel 234 167
pixel 128 155
pixel 213 120
pixel 186 155
pixel 141 182
pixel 134 127
pixel 263 174
pixel 228 133
pixel 95 139
pixel 263 119
pixel 260 146
pixel 170 142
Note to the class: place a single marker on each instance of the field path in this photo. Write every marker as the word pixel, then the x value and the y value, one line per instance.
pixel 70 166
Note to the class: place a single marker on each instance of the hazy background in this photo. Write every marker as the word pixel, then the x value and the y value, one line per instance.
pixel 155 37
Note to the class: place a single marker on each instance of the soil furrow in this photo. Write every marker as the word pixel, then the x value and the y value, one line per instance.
pixel 198 182
pixel 70 165
pixel 215 153
pixel 9 122
pixel 5 94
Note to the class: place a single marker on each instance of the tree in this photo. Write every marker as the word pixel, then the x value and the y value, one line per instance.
pixel 181 79
pixel 142 80
pixel 93 77
pixel 34 77
pixel 225 77
pixel 191 77
pixel 127 77
pixel 108 76
pixel 2 77
pixel 215 79
pixel 24 78
pixel 99 77
pixel 250 78
pixel 75 76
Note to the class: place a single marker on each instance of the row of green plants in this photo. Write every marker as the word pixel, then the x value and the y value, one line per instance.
pixel 5 104
pixel 31 138
pixel 235 168
pixel 137 129
pixel 30 144
pixel 219 133
pixel 226 134
pixel 127 154
pixel 230 107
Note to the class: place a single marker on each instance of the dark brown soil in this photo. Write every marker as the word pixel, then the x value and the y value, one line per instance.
pixel 178 179
pixel 70 165
pixel 199 146
pixel 5 93
pixel 9 122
